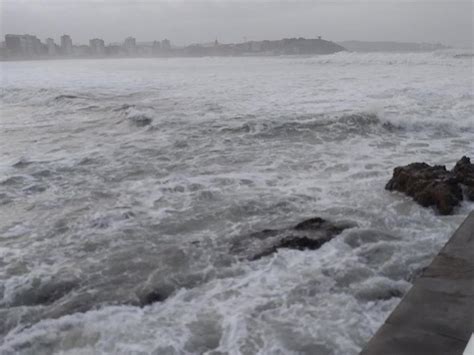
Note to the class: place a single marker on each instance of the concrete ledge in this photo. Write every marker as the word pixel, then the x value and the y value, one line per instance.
pixel 393 340
pixel 436 317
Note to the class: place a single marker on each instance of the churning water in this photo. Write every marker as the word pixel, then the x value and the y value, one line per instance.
pixel 124 183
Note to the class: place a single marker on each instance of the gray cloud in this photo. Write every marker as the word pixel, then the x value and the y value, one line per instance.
pixel 188 21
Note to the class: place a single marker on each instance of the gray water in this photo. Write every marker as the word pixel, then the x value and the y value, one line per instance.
pixel 121 179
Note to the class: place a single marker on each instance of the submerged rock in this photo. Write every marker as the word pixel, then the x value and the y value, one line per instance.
pixel 152 297
pixel 61 97
pixel 43 293
pixel 309 234
pixel 435 185
pixel 21 164
pixel 140 120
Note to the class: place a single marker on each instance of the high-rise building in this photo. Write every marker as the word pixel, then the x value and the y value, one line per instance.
pixel 66 45
pixel 13 44
pixel 97 46
pixel 130 45
pixel 165 44
pixel 51 46
pixel 156 47
pixel 81 51
pixel 23 45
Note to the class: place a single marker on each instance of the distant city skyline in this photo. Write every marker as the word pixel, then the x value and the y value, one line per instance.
pixel 187 22
pixel 27 46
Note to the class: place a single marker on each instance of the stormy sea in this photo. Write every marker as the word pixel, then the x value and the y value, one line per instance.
pixel 133 192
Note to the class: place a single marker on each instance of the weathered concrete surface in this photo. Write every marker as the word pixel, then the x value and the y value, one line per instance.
pixel 436 317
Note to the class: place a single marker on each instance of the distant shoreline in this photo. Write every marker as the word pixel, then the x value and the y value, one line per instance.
pixel 27 47
pixel 265 48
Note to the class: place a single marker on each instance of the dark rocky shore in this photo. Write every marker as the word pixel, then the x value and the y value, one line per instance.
pixel 435 185
pixel 428 185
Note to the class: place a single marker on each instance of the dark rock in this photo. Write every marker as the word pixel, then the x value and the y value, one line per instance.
pixel 470 193
pixel 21 164
pixel 294 242
pixel 445 195
pixel 140 120
pixel 309 234
pixel 152 297
pixel 43 293
pixel 310 224
pixel 464 173
pixel 61 97
pixel 464 169
pixel 379 294
pixel 434 185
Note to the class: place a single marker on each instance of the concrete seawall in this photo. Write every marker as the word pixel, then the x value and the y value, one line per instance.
pixel 436 317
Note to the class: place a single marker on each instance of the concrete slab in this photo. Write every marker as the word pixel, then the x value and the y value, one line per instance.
pixel 393 340
pixel 447 314
pixel 437 315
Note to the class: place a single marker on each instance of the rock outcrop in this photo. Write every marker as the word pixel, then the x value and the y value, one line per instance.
pixel 464 173
pixel 435 185
pixel 309 234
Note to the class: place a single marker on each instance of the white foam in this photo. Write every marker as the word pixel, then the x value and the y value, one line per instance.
pixel 236 145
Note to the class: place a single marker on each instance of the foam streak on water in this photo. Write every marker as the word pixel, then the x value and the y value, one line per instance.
pixel 121 179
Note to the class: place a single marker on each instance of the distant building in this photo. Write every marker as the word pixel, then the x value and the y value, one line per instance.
pixel 255 46
pixel 130 45
pixel 13 44
pixel 23 46
pixel 114 50
pixel 66 45
pixel 51 46
pixel 165 44
pixel 3 51
pixel 81 51
pixel 97 46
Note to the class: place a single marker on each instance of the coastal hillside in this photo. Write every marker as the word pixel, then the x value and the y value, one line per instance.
pixel 286 46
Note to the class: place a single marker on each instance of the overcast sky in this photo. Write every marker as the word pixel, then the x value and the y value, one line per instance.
pixel 190 21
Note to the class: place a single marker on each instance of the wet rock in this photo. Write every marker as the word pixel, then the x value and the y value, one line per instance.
pixel 464 173
pixel 152 297
pixel 310 234
pixel 43 293
pixel 379 294
pixel 21 164
pixel 62 97
pixel 140 120
pixel 470 193
pixel 435 185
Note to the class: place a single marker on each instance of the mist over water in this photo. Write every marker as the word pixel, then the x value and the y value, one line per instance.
pixel 124 182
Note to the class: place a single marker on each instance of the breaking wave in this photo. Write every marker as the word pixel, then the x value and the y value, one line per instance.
pixel 434 58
